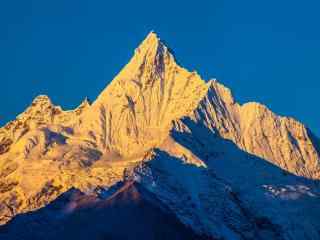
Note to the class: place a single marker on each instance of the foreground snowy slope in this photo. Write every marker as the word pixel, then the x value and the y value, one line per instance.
pixel 225 170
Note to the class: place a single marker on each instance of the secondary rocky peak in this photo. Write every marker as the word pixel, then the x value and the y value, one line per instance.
pixel 41 100
pixel 40 107
pixel 84 104
pixel 220 91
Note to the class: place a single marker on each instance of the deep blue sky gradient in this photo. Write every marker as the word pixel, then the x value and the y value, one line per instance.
pixel 265 51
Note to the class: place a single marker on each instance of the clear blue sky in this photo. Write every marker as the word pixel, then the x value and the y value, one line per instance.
pixel 266 51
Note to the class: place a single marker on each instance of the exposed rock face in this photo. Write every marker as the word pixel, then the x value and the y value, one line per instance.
pixel 224 169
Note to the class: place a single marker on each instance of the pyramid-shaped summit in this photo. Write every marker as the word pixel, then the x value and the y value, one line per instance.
pixel 152 46
pixel 151 42
pixel 143 99
pixel 151 55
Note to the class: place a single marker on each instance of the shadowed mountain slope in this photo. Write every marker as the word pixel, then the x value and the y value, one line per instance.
pixel 130 213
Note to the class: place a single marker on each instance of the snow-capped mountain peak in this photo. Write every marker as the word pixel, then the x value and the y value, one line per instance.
pixel 224 169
